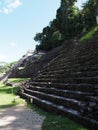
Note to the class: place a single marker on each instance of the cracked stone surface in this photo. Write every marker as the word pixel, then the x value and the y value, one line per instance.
pixel 20 118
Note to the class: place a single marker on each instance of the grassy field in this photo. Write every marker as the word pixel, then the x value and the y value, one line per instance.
pixel 51 122
pixel 8 94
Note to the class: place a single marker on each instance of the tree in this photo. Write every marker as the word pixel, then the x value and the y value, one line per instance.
pixel 88 14
pixel 64 17
pixel 69 22
pixel 38 37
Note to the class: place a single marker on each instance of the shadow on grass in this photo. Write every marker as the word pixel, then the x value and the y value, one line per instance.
pixel 56 122
pixel 9 90
pixel 5 106
pixel 9 105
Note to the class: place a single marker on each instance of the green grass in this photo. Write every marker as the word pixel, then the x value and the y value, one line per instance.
pixel 55 122
pixel 89 34
pixel 51 122
pixel 18 80
pixel 7 94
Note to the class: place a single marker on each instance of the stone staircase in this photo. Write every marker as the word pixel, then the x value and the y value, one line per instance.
pixel 68 85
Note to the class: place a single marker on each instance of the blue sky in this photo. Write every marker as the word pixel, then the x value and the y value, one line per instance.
pixel 20 20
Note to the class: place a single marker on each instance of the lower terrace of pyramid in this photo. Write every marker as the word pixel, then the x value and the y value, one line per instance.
pixel 68 85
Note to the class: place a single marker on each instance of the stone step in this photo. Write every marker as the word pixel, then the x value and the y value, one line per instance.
pixel 90 123
pixel 94 115
pixel 78 95
pixel 71 64
pixel 69 71
pixel 54 71
pixel 75 68
pixel 89 80
pixel 80 52
pixel 67 74
pixel 94 41
pixel 73 58
pixel 70 59
pixel 66 102
pixel 93 99
pixel 62 64
pixel 66 86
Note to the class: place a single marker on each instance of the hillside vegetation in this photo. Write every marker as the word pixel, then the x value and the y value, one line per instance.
pixel 70 22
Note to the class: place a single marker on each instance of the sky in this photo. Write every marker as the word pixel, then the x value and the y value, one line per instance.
pixel 20 20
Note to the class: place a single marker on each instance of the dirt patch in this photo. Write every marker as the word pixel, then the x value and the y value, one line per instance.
pixel 20 118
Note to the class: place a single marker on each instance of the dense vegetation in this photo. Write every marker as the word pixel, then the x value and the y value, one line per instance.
pixel 69 22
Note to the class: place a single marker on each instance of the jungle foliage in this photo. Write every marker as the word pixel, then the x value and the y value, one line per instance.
pixel 69 23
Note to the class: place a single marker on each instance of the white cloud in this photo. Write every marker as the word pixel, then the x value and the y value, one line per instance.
pixel 12 44
pixel 2 57
pixel 8 6
pixel 5 10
